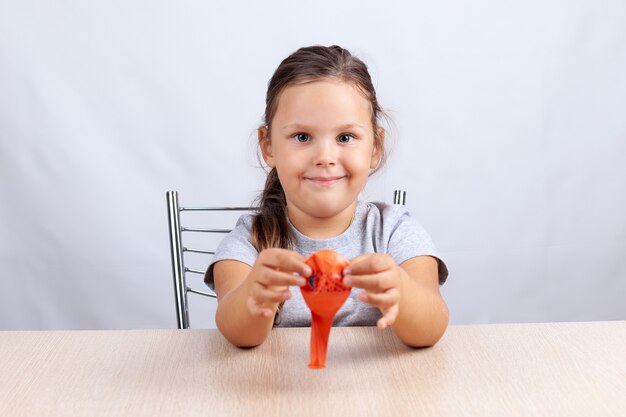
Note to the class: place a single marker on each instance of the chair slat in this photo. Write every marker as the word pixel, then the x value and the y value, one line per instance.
pixel 206 294
pixel 218 208
pixel 203 229
pixel 195 271
pixel 207 252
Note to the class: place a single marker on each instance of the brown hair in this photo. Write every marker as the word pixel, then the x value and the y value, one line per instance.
pixel 270 227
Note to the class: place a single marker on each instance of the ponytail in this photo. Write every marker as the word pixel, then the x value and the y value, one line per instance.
pixel 270 227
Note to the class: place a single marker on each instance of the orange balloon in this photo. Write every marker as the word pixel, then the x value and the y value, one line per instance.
pixel 324 293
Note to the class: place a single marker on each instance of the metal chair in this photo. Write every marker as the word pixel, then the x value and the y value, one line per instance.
pixel 178 250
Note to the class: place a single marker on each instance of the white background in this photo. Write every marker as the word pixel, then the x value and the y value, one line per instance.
pixel 509 137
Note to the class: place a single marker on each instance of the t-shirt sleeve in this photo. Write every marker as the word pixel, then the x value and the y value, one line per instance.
pixel 409 239
pixel 237 246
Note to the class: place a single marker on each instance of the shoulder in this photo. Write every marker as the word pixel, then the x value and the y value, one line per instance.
pixel 386 215
pixel 241 234
pixel 385 209
pixel 385 222
pixel 236 245
pixel 244 223
pixel 400 235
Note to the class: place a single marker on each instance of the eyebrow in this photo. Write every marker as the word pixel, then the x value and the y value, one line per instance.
pixel 346 126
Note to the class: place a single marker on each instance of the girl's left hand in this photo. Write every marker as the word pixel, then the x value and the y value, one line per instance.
pixel 380 277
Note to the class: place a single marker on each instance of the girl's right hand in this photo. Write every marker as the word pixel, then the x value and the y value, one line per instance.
pixel 269 280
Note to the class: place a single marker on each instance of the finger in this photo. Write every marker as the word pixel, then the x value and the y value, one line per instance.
pixel 356 261
pixel 383 300
pixel 257 310
pixel 373 283
pixel 285 260
pixel 388 318
pixel 360 258
pixel 373 263
pixel 264 296
pixel 272 277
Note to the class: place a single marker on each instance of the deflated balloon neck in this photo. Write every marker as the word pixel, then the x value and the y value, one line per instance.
pixel 320 332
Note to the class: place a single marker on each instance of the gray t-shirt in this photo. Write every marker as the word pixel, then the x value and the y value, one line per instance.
pixel 376 228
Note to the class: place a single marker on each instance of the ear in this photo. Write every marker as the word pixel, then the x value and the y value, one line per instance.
pixel 379 146
pixel 266 146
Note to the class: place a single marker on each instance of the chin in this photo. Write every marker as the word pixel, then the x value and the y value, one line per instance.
pixel 326 210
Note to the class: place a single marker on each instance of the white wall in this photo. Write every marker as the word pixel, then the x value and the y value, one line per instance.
pixel 510 139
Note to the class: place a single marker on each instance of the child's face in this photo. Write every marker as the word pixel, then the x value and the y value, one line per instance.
pixel 322 146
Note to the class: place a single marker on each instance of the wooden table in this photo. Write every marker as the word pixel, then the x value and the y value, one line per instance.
pixel 552 369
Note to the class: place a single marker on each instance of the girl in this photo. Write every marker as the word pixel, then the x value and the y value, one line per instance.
pixel 321 138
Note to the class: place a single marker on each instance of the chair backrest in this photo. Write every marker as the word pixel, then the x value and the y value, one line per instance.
pixel 178 250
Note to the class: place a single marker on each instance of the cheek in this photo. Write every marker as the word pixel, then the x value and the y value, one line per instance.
pixel 362 161
pixel 288 172
pixel 359 174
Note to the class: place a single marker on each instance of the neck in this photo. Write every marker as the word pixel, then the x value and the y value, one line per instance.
pixel 321 227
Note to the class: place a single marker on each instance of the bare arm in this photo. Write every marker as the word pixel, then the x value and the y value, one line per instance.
pixel 423 314
pixel 407 295
pixel 248 297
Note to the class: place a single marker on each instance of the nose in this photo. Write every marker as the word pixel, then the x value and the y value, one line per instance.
pixel 326 153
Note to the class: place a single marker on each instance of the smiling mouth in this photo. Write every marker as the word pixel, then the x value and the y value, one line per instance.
pixel 325 180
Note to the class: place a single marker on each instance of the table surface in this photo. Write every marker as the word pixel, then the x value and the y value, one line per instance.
pixel 549 369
